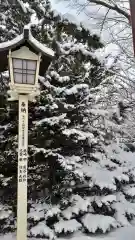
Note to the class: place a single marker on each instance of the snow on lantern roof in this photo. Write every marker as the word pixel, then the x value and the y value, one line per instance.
pixel 26 39
pixel 9 44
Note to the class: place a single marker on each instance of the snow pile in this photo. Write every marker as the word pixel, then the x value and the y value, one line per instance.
pixel 80 134
pixel 12 42
pixel 129 191
pixel 40 46
pixel 4 212
pixel 124 210
pixel 69 226
pixel 96 222
pixel 108 54
pixel 54 120
pixel 119 234
pixel 78 205
pixel 41 230
pixel 37 211
pixel 36 215
pixel 100 176
pixel 75 89
pixel 105 200
pixel 58 77
pixel 23 6
pixel 54 211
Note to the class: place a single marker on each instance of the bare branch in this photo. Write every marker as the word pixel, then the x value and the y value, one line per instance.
pixel 104 20
pixel 112 7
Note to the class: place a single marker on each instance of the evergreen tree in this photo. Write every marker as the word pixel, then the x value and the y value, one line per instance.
pixel 79 177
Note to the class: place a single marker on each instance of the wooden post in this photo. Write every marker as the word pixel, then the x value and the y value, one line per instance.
pixel 22 168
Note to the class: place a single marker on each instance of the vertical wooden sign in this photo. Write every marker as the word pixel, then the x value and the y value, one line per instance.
pixel 22 168
pixel 132 10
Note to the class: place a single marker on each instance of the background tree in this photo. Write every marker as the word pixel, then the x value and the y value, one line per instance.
pixel 111 20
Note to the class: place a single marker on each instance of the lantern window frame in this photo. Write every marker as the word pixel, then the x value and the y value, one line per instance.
pixel 24 54
pixel 24 72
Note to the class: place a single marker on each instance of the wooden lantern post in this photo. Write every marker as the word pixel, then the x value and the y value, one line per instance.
pixel 26 58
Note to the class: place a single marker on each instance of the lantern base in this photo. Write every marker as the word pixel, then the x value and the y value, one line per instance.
pixel 16 90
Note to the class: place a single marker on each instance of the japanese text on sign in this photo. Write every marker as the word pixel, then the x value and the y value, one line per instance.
pixel 23 111
pixel 22 174
pixel 23 152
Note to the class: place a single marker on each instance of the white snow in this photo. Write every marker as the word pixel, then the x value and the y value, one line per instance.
pixel 40 46
pixel 104 162
pixel 123 233
pixel 44 81
pixel 4 212
pixel 75 89
pixel 81 135
pixel 36 214
pixel 130 191
pixel 53 211
pixel 10 43
pixel 123 208
pixel 119 234
pixel 107 200
pixel 34 20
pixel 32 40
pixel 79 204
pixel 125 158
pixel 100 176
pixel 2 26
pixel 37 211
pixel 58 77
pixel 5 127
pixel 97 111
pixel 79 47
pixel 67 226
pixel 108 54
pixel 94 222
pixel 70 163
pixel 23 6
pixel 53 120
pixel 42 230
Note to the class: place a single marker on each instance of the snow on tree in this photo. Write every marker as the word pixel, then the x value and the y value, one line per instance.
pixel 78 168
pixel 111 20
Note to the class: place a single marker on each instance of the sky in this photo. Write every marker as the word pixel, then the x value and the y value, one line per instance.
pixel 67 10
pixel 90 17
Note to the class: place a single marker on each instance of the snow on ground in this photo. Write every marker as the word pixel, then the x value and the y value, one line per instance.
pixel 121 234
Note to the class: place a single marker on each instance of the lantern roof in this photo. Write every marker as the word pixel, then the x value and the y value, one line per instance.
pixel 26 39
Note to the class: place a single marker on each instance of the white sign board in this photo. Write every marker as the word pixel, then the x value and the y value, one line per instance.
pixel 22 168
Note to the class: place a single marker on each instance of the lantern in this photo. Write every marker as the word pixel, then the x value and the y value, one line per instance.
pixel 24 69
